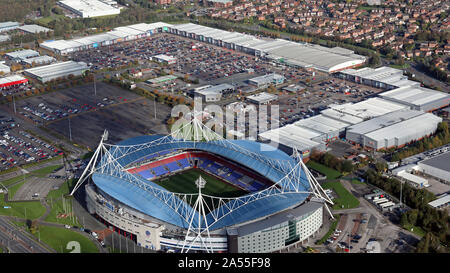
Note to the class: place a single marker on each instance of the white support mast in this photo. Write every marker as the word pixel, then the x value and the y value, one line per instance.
pixel 90 168
pixel 315 186
pixel 200 207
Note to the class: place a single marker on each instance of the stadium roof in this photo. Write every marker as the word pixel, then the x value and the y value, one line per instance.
pixel 142 195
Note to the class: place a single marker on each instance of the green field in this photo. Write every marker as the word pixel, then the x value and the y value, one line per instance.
pixel 58 238
pixel 345 199
pixel 33 209
pixel 185 183
pixel 330 173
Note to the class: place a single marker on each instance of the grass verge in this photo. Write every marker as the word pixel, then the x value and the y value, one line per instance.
pixel 345 199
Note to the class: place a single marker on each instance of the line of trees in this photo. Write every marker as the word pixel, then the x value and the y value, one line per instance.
pixel 332 161
pixel 422 215
pixel 441 137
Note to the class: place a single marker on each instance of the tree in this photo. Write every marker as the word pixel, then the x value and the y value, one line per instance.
pixel 404 220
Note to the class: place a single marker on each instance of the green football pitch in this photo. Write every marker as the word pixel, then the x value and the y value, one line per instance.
pixel 184 182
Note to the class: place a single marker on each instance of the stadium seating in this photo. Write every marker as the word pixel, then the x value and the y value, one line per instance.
pixel 173 166
pixel 146 174
pixel 159 170
pixel 184 163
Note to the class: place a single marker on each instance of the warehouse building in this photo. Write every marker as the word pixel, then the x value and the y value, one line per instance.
pixel 354 113
pixel 40 60
pixel 282 51
pixel 162 79
pixel 328 128
pixel 34 29
pixel 58 70
pixel 401 90
pixel 290 137
pixel 7 26
pixel 210 93
pixel 4 69
pixel 437 166
pixel 418 98
pixel 393 129
pixel 12 81
pixel 4 38
pixel 261 98
pixel 266 80
pixel 165 59
pixel 117 35
pixel 89 8
pixel 442 202
pixel 20 55
pixel 383 77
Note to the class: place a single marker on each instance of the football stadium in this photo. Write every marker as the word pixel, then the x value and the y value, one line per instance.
pixel 173 193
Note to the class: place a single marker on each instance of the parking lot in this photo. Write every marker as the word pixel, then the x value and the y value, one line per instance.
pixel 19 147
pixel 36 188
pixel 124 114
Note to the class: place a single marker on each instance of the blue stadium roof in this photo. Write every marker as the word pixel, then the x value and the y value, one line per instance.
pixel 262 158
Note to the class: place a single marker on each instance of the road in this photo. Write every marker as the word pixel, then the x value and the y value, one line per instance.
pixel 17 241
pixel 421 76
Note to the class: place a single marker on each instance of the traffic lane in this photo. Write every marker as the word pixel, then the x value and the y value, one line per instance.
pixel 21 237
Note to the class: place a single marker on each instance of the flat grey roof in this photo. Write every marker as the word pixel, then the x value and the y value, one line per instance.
pixel 34 28
pixel 279 218
pixel 57 69
pixel 441 161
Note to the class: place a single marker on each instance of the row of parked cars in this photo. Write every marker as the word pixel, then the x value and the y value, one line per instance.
pixel 27 149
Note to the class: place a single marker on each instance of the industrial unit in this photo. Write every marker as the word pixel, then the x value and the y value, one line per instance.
pixel 11 81
pixel 328 128
pixel 20 55
pixel 39 60
pixel 288 137
pixel 418 98
pixel 266 80
pixel 89 8
pixel 393 129
pixel 261 98
pixel 442 202
pixel 7 26
pixel 34 29
pixel 117 35
pixel 282 51
pixel 213 93
pixel 4 68
pixel 165 59
pixel 161 79
pixel 58 70
pixel 402 90
pixel 437 166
